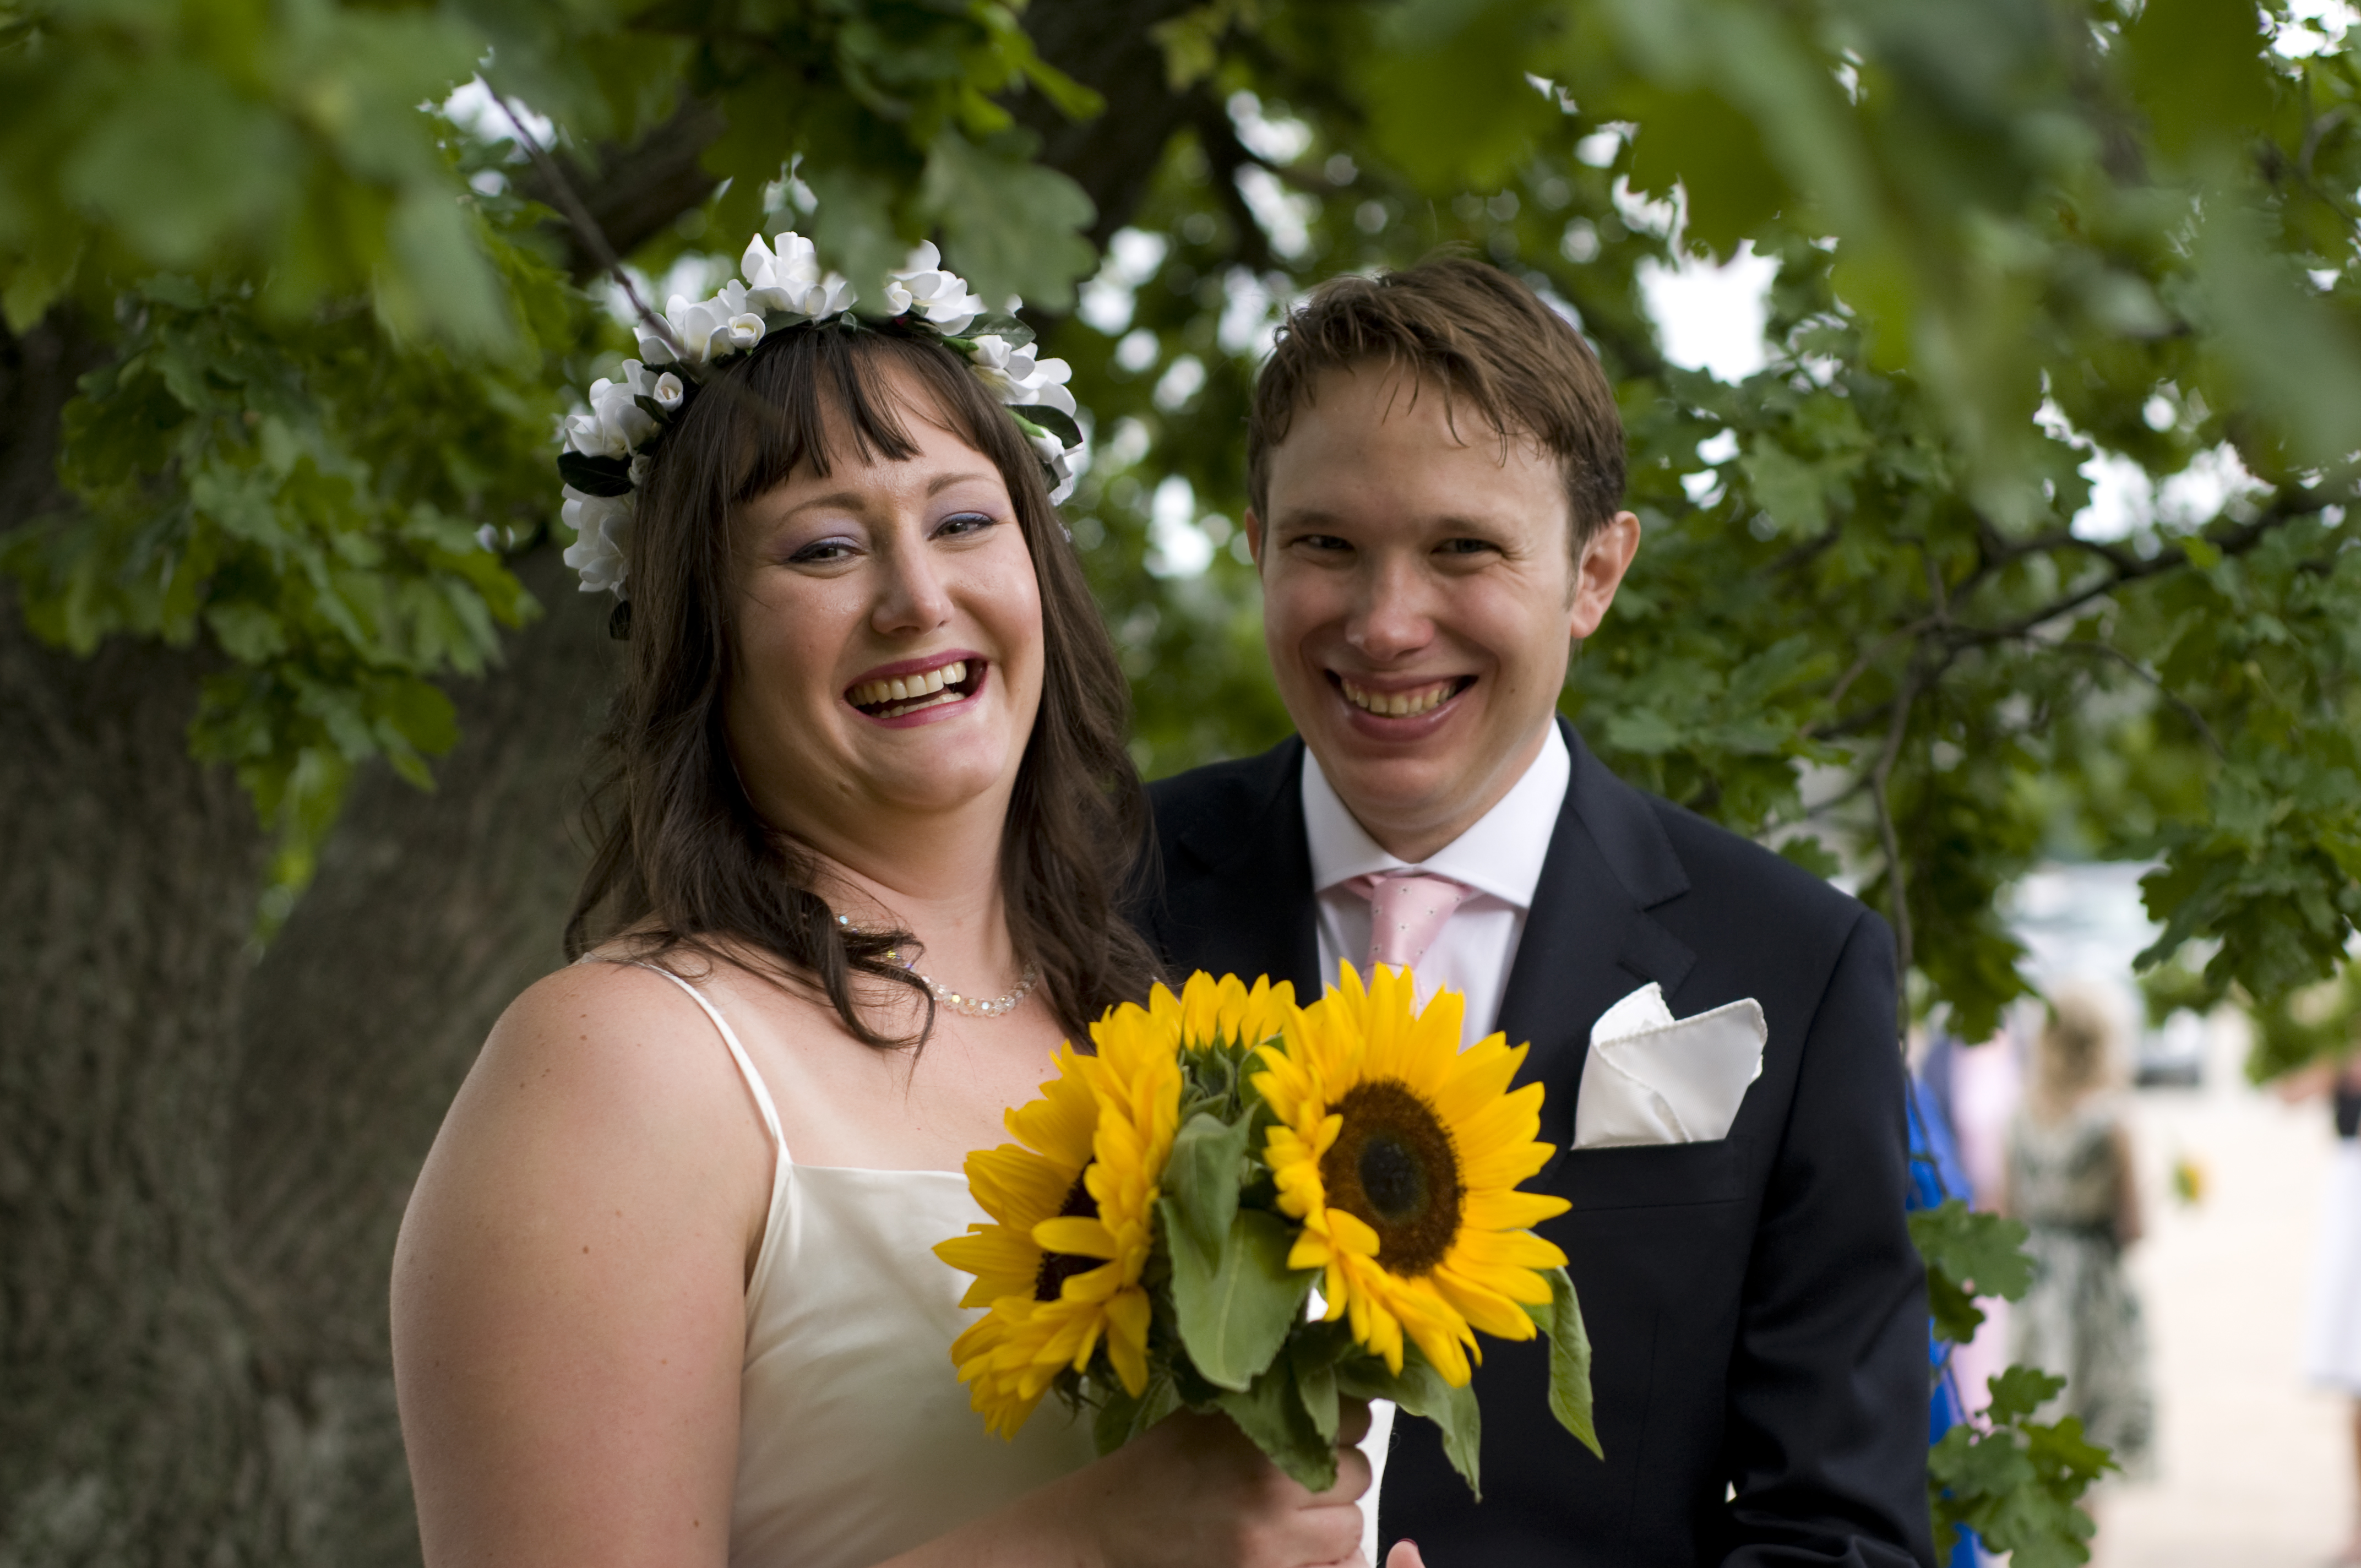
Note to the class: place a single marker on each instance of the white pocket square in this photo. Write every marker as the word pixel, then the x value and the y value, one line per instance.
pixel 1653 1078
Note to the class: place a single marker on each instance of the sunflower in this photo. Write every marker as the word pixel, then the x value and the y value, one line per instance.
pixel 1400 1154
pixel 1210 1012
pixel 1072 1223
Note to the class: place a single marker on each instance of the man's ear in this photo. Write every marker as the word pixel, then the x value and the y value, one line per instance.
pixel 1254 539
pixel 1598 572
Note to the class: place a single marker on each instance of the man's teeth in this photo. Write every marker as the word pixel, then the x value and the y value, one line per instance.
pixel 1398 705
pixel 869 694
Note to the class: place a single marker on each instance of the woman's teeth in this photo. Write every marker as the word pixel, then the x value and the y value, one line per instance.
pixel 908 693
pixel 1398 705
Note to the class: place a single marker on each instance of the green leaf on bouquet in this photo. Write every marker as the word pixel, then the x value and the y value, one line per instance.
pixel 1272 1413
pixel 1419 1389
pixel 1569 1365
pixel 1234 1304
pixel 1314 1351
pixel 1122 1418
pixel 1200 1179
pixel 1968 1255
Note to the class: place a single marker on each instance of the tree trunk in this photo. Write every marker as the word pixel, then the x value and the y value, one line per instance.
pixel 129 1431
pixel 203 1160
pixel 430 912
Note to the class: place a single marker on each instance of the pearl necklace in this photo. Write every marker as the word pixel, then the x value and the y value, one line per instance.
pixel 966 1006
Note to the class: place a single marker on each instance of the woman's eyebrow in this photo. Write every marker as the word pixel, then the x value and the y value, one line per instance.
pixel 853 501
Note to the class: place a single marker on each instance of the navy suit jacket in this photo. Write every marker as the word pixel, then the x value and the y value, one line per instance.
pixel 1757 1313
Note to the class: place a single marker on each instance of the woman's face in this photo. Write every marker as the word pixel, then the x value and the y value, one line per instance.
pixel 889 640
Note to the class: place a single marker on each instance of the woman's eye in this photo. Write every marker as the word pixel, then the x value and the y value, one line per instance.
pixel 965 522
pixel 822 552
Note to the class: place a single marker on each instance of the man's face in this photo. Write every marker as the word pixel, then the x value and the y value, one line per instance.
pixel 1418 596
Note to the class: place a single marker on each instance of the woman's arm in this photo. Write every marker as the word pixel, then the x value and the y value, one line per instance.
pixel 569 1320
pixel 569 1288
pixel 2128 1227
pixel 1192 1493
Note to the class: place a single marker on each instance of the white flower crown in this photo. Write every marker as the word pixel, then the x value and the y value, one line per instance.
pixel 607 451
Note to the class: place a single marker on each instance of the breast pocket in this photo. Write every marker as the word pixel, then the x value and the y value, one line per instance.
pixel 1652 1175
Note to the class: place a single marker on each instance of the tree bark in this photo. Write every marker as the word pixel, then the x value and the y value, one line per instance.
pixel 128 1430
pixel 430 913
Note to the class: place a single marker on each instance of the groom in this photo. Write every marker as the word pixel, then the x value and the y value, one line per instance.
pixel 1437 465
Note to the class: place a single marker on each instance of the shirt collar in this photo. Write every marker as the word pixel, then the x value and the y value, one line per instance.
pixel 1501 854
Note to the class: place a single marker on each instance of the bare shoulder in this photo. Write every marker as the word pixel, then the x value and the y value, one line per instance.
pixel 603 1070
pixel 568 1290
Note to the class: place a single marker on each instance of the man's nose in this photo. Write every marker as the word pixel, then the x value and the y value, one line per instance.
pixel 1393 617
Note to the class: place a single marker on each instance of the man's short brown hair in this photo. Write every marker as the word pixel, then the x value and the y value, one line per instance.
pixel 1479 333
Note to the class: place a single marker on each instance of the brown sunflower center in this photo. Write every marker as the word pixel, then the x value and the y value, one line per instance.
pixel 1394 1166
pixel 1057 1267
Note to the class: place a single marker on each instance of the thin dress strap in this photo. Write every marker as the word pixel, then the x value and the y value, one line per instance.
pixel 737 1053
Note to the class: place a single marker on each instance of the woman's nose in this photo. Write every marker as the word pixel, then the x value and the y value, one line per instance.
pixel 912 597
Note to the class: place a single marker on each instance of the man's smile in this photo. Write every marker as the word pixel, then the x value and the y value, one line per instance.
pixel 1404 703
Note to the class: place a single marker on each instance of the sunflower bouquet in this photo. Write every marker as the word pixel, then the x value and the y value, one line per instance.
pixel 1238 1204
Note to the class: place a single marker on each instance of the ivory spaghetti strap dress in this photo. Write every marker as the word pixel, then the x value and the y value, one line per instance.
pixel 855 1439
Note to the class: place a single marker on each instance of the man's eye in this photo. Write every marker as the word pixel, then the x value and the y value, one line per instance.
pixel 1466 547
pixel 1322 542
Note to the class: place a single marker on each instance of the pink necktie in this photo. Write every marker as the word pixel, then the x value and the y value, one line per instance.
pixel 1406 912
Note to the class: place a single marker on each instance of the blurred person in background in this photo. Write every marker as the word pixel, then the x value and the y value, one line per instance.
pixel 2332 1340
pixel 2070 1179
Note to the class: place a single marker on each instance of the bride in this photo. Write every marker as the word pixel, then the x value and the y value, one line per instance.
pixel 665 1292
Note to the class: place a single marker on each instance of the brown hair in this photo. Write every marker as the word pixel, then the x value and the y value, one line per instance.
pixel 684 861
pixel 1481 335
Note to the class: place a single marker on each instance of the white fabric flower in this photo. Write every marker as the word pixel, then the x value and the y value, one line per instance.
pixel 614 425
pixel 1052 451
pixel 707 329
pixel 1016 378
pixel 603 528
pixel 938 296
pixel 789 280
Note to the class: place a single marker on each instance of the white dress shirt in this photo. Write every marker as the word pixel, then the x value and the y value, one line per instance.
pixel 1499 857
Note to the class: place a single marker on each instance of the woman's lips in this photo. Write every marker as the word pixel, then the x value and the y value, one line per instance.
pixel 900 696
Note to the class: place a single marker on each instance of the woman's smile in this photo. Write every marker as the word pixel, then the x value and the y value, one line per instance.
pixel 931 687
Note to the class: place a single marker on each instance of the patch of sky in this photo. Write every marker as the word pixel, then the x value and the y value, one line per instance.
pixel 1133 256
pixel 2125 499
pixel 2312 26
pixel 1281 138
pixel 1285 216
pixel 1250 314
pixel 1601 147
pixel 1710 318
pixel 1177 545
pixel 1138 351
pixel 1181 381
pixel 1645 214
pixel 1124 445
pixel 694 275
pixel 472 106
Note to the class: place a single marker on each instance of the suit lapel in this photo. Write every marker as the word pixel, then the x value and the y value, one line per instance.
pixel 1244 905
pixel 1588 939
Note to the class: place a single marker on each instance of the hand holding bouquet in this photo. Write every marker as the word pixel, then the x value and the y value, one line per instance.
pixel 1243 1205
